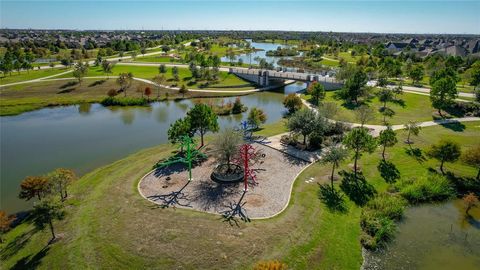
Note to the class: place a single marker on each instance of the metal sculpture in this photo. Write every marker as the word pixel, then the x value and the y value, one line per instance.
pixel 191 154
pixel 248 157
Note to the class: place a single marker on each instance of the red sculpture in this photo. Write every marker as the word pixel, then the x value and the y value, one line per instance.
pixel 248 156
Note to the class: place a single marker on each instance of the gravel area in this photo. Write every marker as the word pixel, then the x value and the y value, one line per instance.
pixel 169 187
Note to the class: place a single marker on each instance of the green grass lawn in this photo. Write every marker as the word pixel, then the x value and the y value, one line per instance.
pixel 27 97
pixel 416 107
pixel 109 225
pixel 30 75
pixel 154 59
pixel 345 55
pixel 226 81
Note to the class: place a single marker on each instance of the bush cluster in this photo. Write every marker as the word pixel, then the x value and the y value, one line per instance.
pixel 378 219
pixel 124 101
pixel 428 188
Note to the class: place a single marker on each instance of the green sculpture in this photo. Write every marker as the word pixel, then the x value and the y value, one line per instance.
pixel 191 154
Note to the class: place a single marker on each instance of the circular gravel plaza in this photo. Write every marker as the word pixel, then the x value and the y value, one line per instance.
pixel 169 187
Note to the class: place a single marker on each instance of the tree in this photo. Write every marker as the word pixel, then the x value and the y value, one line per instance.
pixel 60 179
pixel 226 143
pixel 202 120
pixel 147 92
pixel 475 74
pixel 416 73
pixel 179 129
pixel 470 200
pixel 80 70
pixel 334 155
pixel 445 151
pixel 387 138
pixel 443 94
pixel 292 102
pixel 364 114
pixel 472 158
pixel 302 122
pixel 256 116
pixel 413 128
pixel 162 68
pixel 45 212
pixel 355 86
pixel 175 74
pixel 183 90
pixel 34 186
pixel 134 55
pixel 107 67
pixel 359 140
pixel 5 222
pixel 125 81
pixel 111 92
pixel 317 91
pixel 159 81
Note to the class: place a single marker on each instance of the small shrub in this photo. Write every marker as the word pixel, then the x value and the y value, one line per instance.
pixel 112 93
pixel 113 101
pixel 378 219
pixel 428 188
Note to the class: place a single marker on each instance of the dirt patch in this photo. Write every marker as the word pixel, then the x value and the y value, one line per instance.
pixel 169 187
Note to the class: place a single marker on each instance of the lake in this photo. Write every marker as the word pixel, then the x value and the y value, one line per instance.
pixel 432 237
pixel 84 137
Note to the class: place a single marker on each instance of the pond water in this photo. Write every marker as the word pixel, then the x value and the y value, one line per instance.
pixel 84 137
pixel 250 58
pixel 432 237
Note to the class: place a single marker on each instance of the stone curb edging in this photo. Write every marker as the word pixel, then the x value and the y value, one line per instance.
pixel 215 213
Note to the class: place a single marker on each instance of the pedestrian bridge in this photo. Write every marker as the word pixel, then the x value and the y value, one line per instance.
pixel 262 77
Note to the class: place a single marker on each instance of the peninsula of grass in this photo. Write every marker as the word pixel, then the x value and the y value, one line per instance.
pixel 29 75
pixel 226 81
pixel 21 98
pixel 414 107
pixel 112 225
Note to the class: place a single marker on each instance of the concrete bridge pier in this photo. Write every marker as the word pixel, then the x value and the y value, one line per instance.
pixel 263 78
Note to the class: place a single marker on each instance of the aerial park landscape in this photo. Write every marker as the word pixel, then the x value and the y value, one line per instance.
pixel 184 146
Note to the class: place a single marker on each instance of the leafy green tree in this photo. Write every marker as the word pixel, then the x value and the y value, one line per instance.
pixel 34 186
pixel 159 81
pixel 45 212
pixel 179 129
pixel 202 120
pixel 475 74
pixel 226 144
pixel 387 138
pixel 80 70
pixel 364 114
pixel 162 68
pixel 175 75
pixel 59 181
pixel 443 94
pixel 125 81
pixel 472 158
pixel 413 128
pixel 317 91
pixel 183 90
pixel 443 73
pixel 107 67
pixel 355 86
pixel 237 106
pixel 416 73
pixel 256 116
pixel 302 122
pixel 359 141
pixel 445 151
pixel 335 155
pixel 292 102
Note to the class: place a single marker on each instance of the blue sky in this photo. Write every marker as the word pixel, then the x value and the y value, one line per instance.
pixel 343 16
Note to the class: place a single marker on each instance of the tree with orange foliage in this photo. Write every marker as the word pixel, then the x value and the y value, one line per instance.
pixel 270 265
pixel 148 92
pixel 5 222
pixel 34 186
pixel 470 200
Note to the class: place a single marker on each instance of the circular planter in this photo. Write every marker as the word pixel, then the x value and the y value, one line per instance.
pixel 227 173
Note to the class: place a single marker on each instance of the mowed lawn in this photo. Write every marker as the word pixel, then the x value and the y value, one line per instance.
pixel 155 59
pixel 226 81
pixel 109 225
pixel 29 75
pixel 414 108
pixel 27 97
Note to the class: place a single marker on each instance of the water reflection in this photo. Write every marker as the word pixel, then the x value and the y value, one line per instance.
pixel 86 136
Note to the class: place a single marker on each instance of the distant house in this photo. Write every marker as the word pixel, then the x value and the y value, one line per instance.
pixel 396 46
pixel 473 46
pixel 454 50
